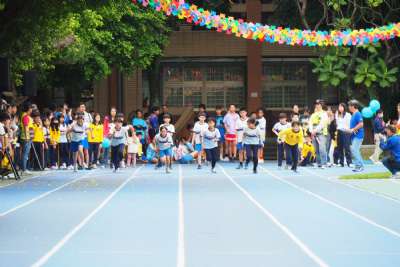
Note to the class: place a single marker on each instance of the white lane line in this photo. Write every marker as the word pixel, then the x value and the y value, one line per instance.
pixel 181 224
pixel 353 187
pixel 284 228
pixel 33 200
pixel 78 227
pixel 334 204
pixel 27 179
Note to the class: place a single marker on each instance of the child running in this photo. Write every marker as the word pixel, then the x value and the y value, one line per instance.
pixel 293 139
pixel 198 130
pixel 78 132
pixel 54 143
pixel 63 145
pixel 241 124
pixel 118 139
pixel 164 144
pixel 210 143
pixel 262 125
pixel 95 139
pixel 278 127
pixel 252 141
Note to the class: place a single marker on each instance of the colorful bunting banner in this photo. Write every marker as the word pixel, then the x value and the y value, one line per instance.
pixel 268 33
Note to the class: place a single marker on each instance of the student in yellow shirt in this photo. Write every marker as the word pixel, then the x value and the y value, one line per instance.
pixel 38 140
pixel 307 152
pixel 293 140
pixel 54 141
pixel 95 138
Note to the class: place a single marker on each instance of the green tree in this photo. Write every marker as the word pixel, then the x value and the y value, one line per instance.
pixel 91 36
pixel 370 70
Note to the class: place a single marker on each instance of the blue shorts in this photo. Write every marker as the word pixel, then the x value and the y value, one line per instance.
pixel 85 143
pixel 165 153
pixel 222 133
pixel 198 147
pixel 186 159
pixel 239 146
pixel 75 146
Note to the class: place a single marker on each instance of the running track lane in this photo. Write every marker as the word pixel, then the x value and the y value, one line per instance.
pixel 223 228
pixel 336 236
pixel 138 227
pixel 29 232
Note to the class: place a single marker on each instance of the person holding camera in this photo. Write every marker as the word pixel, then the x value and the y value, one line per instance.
pixel 392 144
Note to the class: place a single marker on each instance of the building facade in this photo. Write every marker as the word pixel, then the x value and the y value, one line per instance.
pixel 203 66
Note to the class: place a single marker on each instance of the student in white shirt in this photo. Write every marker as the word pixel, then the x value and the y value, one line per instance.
pixel 118 140
pixel 241 124
pixel 63 145
pixel 252 141
pixel 210 139
pixel 198 130
pixel 78 130
pixel 343 136
pixel 164 145
pixel 278 127
pixel 262 125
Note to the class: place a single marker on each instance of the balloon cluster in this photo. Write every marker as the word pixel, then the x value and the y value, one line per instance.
pixel 269 33
pixel 368 112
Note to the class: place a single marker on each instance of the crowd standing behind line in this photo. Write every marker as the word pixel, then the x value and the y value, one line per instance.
pixel 75 139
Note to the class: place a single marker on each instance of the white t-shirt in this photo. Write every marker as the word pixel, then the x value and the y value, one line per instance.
pixel 165 142
pixel 278 127
pixel 119 137
pixel 252 136
pixel 170 128
pixel 262 125
pixel 63 133
pixel 78 132
pixel 198 131
pixel 240 126
pixel 211 138
pixel 133 145
pixel 343 123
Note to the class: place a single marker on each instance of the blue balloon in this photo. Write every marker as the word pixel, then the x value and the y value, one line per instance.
pixel 367 112
pixel 374 105
pixel 106 143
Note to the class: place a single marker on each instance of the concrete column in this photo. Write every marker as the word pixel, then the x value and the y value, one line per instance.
pixel 254 58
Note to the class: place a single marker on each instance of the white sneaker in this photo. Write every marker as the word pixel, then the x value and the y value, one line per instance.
pixel 63 166
pixel 54 168
pixel 94 166
pixel 46 169
pixel 261 161
pixel 85 166
pixel 226 159
pixel 70 167
pixel 395 176
pixel 27 172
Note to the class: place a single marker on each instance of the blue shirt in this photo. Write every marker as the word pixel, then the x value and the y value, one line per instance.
pixel 378 125
pixel 140 126
pixel 153 120
pixel 356 118
pixel 392 145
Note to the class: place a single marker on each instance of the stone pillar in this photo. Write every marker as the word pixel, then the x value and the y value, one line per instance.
pixel 254 59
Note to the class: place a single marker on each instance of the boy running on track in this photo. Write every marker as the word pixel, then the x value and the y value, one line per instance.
pixel 252 141
pixel 293 139
pixel 210 143
pixel 164 144
pixel 198 130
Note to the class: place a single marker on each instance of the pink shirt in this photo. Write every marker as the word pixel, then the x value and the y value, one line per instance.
pixel 230 120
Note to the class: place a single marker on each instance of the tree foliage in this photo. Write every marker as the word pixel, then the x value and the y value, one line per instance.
pixel 372 69
pixel 91 37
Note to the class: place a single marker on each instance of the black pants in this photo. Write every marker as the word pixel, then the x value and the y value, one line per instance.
pixel 38 146
pixel 212 156
pixel 391 164
pixel 117 153
pixel 281 154
pixel 64 153
pixel 53 155
pixel 293 151
pixel 94 152
pixel 343 147
pixel 307 160
pixel 252 155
